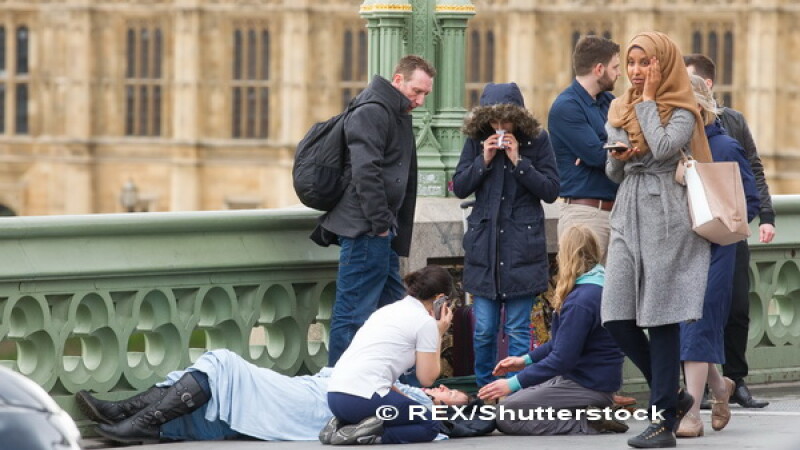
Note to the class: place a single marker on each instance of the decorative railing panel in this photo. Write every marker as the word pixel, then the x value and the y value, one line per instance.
pixel 112 303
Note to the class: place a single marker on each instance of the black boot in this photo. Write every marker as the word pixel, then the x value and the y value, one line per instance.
pixel 112 412
pixel 144 427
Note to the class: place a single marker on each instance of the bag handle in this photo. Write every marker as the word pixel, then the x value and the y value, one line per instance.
pixel 683 164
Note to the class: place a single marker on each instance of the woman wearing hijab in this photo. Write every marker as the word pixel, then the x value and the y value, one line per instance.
pixel 657 267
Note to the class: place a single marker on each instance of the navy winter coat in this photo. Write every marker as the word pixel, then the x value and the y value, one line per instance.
pixel 505 253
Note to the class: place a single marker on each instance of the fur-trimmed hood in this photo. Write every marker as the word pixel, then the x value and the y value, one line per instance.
pixel 503 103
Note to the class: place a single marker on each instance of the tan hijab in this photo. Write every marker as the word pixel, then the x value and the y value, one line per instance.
pixel 675 91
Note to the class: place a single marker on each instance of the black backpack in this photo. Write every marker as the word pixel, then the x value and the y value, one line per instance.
pixel 321 170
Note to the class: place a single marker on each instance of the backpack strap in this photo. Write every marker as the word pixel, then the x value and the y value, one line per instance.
pixel 392 116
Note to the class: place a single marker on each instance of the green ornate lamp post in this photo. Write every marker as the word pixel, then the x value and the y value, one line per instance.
pixel 435 30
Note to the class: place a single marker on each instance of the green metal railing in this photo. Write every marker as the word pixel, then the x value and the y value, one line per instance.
pixel 112 303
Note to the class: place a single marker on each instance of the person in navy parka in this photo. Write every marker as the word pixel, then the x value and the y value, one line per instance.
pixel 508 163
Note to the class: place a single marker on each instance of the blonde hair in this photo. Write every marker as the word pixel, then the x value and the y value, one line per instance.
pixel 578 252
pixel 708 106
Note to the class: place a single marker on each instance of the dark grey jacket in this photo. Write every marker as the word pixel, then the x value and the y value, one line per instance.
pixel 734 123
pixel 382 192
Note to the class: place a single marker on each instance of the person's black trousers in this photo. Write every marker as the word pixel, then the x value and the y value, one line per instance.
pixel 659 359
pixel 738 325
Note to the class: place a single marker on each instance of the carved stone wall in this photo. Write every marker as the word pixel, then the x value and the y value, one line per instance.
pixel 75 156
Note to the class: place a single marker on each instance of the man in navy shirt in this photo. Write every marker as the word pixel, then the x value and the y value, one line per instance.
pixel 577 123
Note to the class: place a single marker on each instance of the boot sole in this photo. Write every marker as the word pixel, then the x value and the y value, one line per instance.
pixel 89 410
pixel 124 440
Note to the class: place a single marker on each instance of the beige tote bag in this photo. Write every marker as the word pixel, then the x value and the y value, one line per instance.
pixel 717 203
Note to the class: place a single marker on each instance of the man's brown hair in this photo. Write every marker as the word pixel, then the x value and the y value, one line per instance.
pixel 592 50
pixel 703 66
pixel 409 63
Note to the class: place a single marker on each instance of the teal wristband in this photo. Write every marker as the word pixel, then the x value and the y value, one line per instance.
pixel 513 383
pixel 528 360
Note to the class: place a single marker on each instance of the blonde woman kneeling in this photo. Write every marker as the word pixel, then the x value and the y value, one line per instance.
pixel 580 366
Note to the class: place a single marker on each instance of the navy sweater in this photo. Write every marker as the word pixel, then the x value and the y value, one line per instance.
pixel 579 349
pixel 577 125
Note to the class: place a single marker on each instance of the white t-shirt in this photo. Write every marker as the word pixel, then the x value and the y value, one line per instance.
pixel 385 347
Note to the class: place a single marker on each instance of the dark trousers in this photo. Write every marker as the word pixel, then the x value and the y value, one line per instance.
pixel 738 325
pixel 657 357
pixel 403 429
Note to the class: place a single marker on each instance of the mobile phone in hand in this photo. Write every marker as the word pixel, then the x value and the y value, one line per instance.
pixel 501 134
pixel 616 148
pixel 437 306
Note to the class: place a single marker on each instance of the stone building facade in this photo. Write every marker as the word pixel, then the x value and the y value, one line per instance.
pixel 199 103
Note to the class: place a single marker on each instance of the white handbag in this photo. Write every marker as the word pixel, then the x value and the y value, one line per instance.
pixel 717 203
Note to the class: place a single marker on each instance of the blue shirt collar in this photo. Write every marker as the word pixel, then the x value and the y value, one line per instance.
pixel 601 100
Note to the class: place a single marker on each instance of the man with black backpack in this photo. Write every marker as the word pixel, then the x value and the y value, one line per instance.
pixel 373 220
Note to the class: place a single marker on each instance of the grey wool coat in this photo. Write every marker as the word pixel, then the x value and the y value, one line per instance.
pixel 657 266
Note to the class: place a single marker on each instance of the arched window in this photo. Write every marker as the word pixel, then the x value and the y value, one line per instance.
pixel 21 116
pixel 22 50
pixel 251 83
pixel 157 53
pixel 2 51
pixel 237 55
pixel 144 43
pixel 14 80
pixel 716 40
pixel 252 49
pixel 144 80
pixel 480 60
pixel 130 54
pixel 354 62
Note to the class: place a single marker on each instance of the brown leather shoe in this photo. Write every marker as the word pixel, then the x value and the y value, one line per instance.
pixel 720 411
pixel 690 426
pixel 623 401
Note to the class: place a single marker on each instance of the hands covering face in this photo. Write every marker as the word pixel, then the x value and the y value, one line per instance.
pixel 494 144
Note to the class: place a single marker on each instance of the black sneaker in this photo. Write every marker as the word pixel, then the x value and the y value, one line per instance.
pixel 657 435
pixel 604 424
pixel 368 431
pixel 328 430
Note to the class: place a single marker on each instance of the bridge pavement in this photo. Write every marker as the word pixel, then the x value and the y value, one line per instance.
pixel 776 427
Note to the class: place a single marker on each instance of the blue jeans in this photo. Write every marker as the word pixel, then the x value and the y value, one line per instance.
pixel 369 278
pixel 195 427
pixel 487 324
